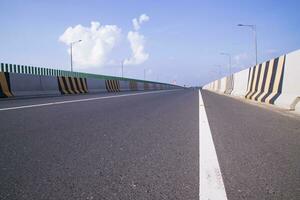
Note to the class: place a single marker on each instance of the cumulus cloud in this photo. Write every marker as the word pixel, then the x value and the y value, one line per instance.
pixel 97 43
pixel 137 42
pixel 138 22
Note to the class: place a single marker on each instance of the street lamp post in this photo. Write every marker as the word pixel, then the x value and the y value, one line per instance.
pixel 122 68
pixel 71 52
pixel 229 57
pixel 253 28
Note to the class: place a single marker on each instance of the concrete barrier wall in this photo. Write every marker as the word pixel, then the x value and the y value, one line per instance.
pixel 96 85
pixel 265 81
pixel 218 85
pixel 213 86
pixel 240 83
pixel 229 84
pixel 146 86
pixel 133 85
pixel 21 80
pixel 222 85
pixel 49 85
pixel 25 84
pixel 275 81
pixel 140 86
pixel 31 85
pixel 290 94
pixel 124 86
pixel 4 85
pixel 151 86
pixel 72 85
pixel 112 85
pixel 161 86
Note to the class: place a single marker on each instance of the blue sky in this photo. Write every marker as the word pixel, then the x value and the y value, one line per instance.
pixel 182 38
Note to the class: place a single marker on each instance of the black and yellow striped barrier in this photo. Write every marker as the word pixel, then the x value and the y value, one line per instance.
pixel 265 81
pixel 72 85
pixel 4 85
pixel 112 85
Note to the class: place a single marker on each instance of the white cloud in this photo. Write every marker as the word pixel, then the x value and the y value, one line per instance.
pixel 138 22
pixel 137 42
pixel 144 18
pixel 97 43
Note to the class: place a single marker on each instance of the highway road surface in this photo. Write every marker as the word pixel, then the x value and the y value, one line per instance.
pixel 143 146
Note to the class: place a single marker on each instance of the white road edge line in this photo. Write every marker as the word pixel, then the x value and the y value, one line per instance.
pixel 211 184
pixel 81 100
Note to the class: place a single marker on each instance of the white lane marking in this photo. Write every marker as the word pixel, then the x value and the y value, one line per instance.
pixel 81 100
pixel 211 182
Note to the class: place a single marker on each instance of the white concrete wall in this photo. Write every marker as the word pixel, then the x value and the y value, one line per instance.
pixel 31 85
pixel 124 86
pixel 218 85
pixel 96 85
pixel 140 85
pixel 223 85
pixel 240 83
pixel 215 85
pixel 291 80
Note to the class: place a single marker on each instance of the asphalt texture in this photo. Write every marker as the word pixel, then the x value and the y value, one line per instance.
pixel 258 149
pixel 134 147
pixel 144 147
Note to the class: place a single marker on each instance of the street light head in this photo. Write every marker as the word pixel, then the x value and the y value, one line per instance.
pixel 248 25
pixel 77 41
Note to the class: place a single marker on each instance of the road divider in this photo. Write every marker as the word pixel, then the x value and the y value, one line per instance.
pixel 33 85
pixel 112 85
pixel 133 85
pixel 4 83
pixel 275 82
pixel 146 86
pixel 96 85
pixel 72 85
pixel 22 80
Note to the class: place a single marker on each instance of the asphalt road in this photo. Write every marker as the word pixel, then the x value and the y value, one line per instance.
pixel 144 147
pixel 258 149
pixel 133 147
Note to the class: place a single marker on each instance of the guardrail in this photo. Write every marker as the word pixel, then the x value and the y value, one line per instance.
pixel 23 80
